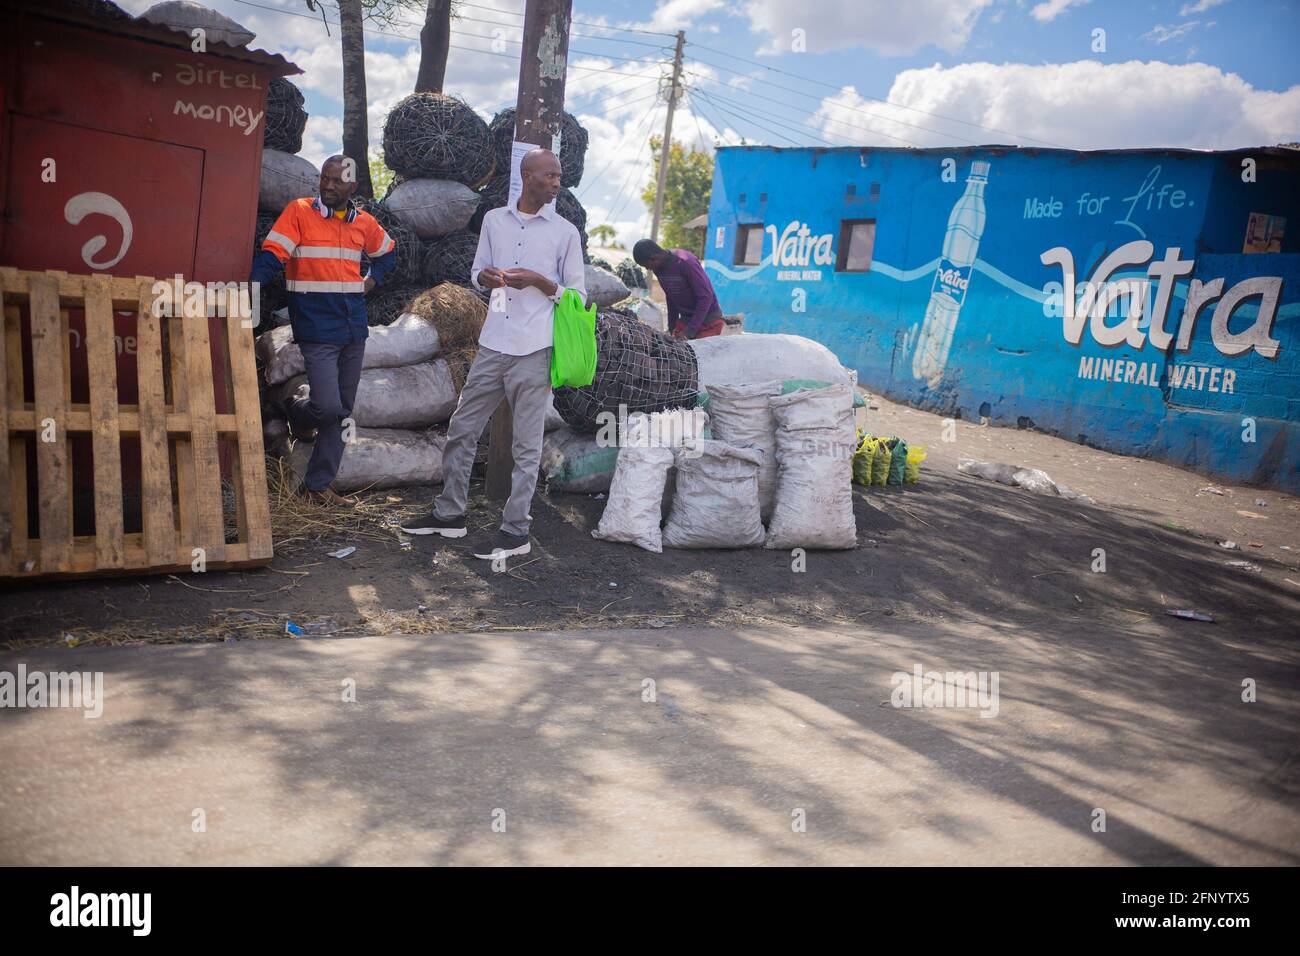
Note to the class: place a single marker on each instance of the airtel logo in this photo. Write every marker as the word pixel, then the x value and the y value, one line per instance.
pixel 84 204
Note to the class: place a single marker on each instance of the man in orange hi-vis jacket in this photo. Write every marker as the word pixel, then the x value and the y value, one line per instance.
pixel 319 241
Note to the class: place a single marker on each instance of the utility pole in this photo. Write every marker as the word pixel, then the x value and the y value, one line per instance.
pixel 543 61
pixel 673 93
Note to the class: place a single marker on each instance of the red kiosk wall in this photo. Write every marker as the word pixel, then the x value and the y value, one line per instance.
pixel 128 158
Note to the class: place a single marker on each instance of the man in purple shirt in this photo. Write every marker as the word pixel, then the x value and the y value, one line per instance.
pixel 693 310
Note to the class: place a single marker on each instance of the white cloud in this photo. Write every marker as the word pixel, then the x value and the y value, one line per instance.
pixel 322 137
pixel 673 15
pixel 1083 105
pixel 1049 10
pixel 886 26
pixel 1163 34
pixel 1199 7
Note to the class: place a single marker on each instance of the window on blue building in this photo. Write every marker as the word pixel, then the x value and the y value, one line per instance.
pixel 749 244
pixel 857 241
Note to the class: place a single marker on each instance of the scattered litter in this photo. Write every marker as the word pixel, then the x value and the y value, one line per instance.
pixel 1229 545
pixel 613 584
pixel 1190 615
pixel 655 622
pixel 404 542
pixel 1261 503
pixel 421 608
pixel 600 497
pixel 1211 489
pixel 1079 599
pixel 1031 479
pixel 1289 581
pixel 1285 547
pixel 394 500
pixel 1249 514
pixel 343 552
pixel 1256 544
pixel 1244 565
pixel 70 640
pixel 314 629
pixel 29 564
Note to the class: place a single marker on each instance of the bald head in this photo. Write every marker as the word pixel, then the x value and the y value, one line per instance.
pixel 540 172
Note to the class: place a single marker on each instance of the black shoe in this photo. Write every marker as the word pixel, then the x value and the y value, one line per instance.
pixel 504 545
pixel 431 524
pixel 301 434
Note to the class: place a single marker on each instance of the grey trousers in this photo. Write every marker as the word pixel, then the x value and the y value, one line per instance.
pixel 525 382
pixel 333 372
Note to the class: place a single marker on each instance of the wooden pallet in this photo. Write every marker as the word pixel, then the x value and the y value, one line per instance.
pixel 181 487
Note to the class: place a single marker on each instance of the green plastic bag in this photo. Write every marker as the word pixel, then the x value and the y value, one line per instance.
pixel 573 357
pixel 897 460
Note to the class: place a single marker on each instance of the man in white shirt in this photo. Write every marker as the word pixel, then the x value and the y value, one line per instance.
pixel 527 255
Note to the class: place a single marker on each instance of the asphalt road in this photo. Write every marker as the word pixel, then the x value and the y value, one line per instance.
pixel 776 746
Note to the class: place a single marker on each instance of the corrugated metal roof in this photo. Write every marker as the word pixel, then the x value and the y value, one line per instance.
pixel 108 17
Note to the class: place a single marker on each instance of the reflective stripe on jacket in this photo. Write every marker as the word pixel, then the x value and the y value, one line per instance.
pixel 321 255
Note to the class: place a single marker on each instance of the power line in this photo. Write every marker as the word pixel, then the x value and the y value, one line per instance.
pixel 626 103
pixel 838 89
pixel 696 116
pixel 718 106
pixel 585 23
pixel 721 129
pixel 821 101
pixel 829 119
pixel 586 187
pixel 373 31
pixel 585 36
pixel 619 202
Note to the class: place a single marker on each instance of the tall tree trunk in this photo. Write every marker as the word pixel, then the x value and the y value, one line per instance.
pixel 435 40
pixel 356 139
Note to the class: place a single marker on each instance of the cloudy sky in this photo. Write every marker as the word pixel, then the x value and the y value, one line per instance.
pixel 1083 74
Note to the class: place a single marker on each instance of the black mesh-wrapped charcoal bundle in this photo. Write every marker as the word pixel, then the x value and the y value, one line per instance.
pixel 633 275
pixel 286 117
pixel 573 145
pixel 449 258
pixel 437 137
pixel 645 370
pixel 567 205
pixel 383 215
pixel 386 302
pixel 491 196
pixel 495 194
pixel 410 251
pixel 272 295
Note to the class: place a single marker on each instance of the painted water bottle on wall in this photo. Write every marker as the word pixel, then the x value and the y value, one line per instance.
pixel 960 247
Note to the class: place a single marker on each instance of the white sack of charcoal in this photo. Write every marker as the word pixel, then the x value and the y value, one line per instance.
pixel 815 441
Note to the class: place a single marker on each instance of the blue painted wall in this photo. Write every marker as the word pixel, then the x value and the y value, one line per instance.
pixel 1009 357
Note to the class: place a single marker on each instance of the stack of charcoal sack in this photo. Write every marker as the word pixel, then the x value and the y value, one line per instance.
pixel 439 149
pixel 414 368
pixel 285 177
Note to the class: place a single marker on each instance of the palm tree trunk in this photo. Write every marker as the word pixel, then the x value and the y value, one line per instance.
pixel 435 40
pixel 356 139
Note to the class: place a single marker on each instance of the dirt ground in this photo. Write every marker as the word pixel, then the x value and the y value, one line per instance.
pixel 949 549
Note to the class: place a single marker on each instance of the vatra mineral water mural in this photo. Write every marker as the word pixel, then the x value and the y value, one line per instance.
pixel 1105 297
pixel 951 278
